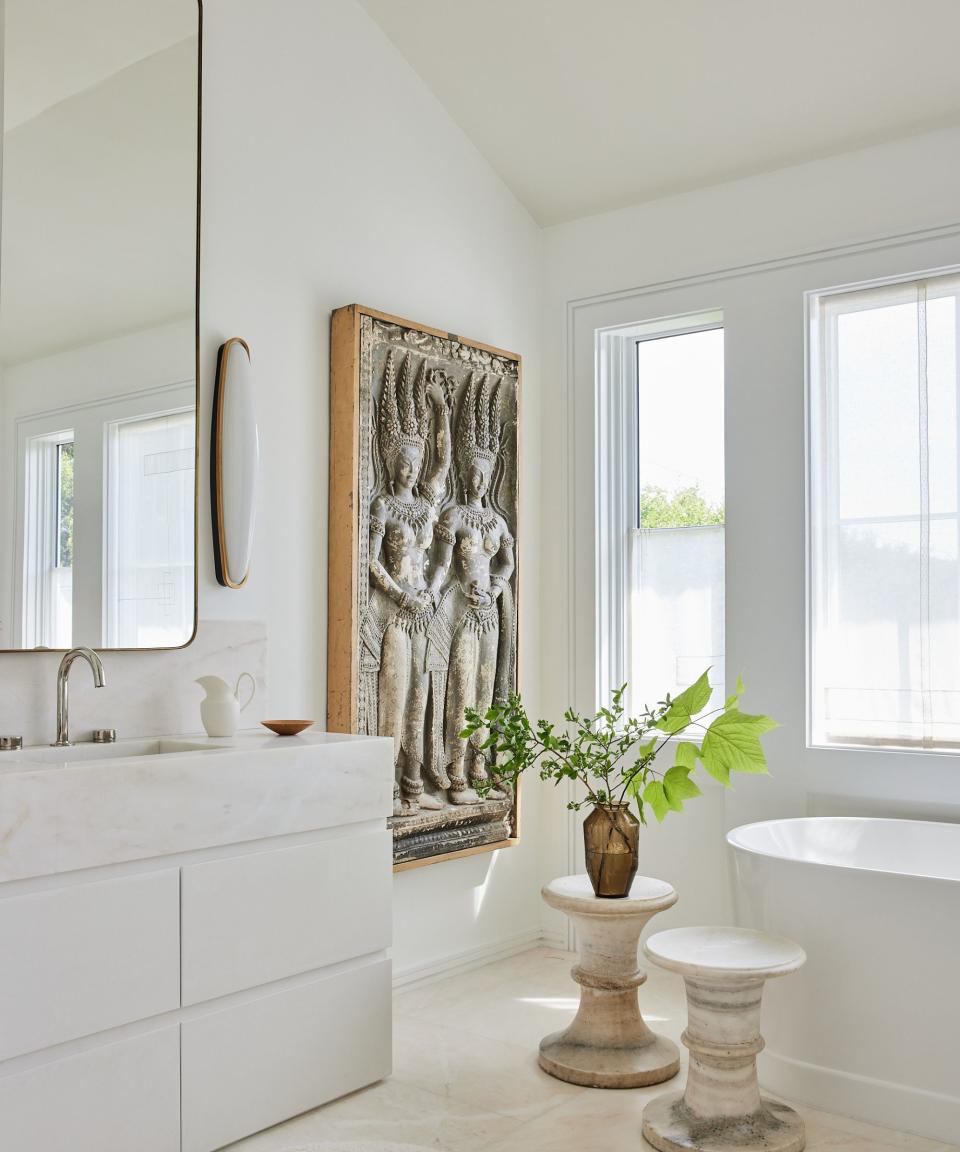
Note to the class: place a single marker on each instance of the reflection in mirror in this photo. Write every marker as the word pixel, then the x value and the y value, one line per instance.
pixel 98 292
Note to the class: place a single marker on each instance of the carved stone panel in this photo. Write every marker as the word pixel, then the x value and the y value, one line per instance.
pixel 423 567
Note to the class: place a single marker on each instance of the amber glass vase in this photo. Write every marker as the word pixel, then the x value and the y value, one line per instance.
pixel 611 837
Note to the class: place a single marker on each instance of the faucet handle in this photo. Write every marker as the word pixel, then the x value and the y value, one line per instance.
pixel 104 735
pixel 10 743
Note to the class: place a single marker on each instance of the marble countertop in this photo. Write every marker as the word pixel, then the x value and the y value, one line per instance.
pixel 41 757
pixel 102 807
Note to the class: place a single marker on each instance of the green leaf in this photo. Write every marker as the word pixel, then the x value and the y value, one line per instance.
pixel 732 744
pixel 688 704
pixel 655 796
pixel 718 771
pixel 687 754
pixel 734 700
pixel 678 786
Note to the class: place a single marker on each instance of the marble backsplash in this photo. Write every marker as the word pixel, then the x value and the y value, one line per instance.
pixel 145 694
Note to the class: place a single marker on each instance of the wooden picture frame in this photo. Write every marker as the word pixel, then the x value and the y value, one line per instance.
pixel 370 349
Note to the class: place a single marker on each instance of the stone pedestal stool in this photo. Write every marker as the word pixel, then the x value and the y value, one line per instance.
pixel 609 1045
pixel 724 970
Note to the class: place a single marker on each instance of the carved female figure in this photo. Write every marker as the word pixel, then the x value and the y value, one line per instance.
pixel 402 598
pixel 475 619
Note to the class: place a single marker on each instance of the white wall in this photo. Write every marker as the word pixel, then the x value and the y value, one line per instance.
pixel 752 248
pixel 332 176
pixel 144 694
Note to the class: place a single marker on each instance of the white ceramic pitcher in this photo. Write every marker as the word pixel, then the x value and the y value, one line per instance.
pixel 220 709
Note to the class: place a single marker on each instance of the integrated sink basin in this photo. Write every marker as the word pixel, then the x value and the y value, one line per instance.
pixel 119 750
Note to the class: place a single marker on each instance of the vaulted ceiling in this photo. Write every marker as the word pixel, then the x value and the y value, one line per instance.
pixel 588 105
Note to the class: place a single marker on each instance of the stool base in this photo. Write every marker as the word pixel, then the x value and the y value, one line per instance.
pixel 671 1127
pixel 595 1067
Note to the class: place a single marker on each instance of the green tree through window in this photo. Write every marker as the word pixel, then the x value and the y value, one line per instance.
pixel 65 505
pixel 684 508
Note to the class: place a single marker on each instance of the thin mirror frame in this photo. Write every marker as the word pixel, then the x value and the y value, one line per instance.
pixel 196 369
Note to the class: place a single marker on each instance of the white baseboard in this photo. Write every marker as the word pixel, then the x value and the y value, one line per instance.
pixel 930 1114
pixel 463 961
pixel 555 938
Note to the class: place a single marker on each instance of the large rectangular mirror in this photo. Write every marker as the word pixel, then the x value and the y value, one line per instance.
pixel 98 323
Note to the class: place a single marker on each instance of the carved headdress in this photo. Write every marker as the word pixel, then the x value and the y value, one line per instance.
pixel 478 430
pixel 404 415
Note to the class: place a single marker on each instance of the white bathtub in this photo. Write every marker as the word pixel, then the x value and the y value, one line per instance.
pixel 870 1027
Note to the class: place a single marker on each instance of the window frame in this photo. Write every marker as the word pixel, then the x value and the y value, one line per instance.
pixel 617 469
pixel 38 531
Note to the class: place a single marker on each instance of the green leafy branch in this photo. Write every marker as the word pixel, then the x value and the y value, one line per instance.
pixel 613 756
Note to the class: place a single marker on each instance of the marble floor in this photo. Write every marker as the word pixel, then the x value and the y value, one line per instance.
pixel 466 1077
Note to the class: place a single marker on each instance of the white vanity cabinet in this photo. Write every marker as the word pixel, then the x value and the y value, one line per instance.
pixel 177 1002
pixel 248 920
pixel 315 1041
pixel 115 1094
pixel 82 958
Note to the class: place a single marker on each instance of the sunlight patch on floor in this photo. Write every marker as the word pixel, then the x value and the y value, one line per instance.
pixel 566 1003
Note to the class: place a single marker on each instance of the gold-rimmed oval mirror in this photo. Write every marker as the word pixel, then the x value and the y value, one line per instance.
pixel 98 323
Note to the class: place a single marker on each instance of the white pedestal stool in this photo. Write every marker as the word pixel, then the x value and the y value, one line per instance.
pixel 724 970
pixel 609 1045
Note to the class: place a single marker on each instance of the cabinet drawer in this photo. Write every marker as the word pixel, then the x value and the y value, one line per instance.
pixel 79 959
pixel 247 1067
pixel 255 918
pixel 117 1098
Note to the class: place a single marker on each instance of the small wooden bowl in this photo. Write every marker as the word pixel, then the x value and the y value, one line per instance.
pixel 287 727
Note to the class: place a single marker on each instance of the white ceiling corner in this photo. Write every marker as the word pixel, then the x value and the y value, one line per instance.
pixel 586 107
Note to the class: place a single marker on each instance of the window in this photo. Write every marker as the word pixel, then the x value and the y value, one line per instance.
pixel 104 522
pixel 884 499
pixel 47 601
pixel 149 573
pixel 661 548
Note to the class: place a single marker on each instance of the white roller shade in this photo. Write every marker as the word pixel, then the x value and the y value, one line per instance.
pixel 885 515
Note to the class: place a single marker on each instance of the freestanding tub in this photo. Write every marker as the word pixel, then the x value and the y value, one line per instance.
pixel 870 1027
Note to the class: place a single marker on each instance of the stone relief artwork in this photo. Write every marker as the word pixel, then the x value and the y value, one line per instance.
pixel 434 622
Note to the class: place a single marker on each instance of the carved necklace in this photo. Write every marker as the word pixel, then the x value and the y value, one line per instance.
pixel 478 518
pixel 417 512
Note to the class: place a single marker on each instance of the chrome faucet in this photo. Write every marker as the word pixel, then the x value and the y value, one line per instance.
pixel 63 705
